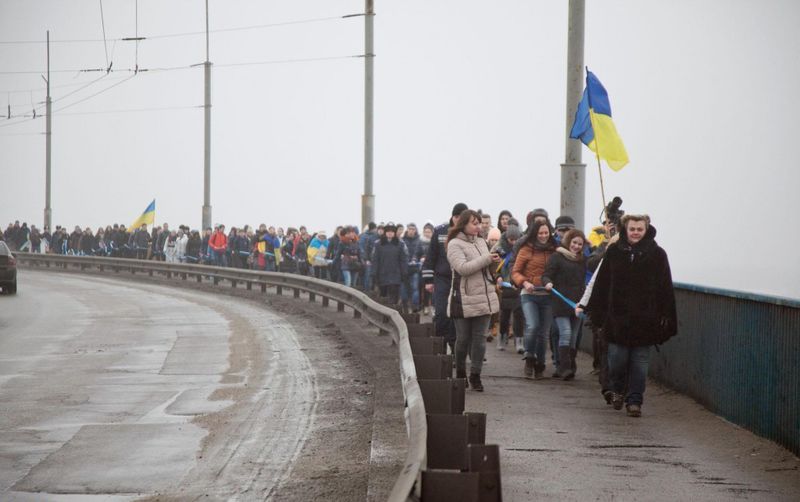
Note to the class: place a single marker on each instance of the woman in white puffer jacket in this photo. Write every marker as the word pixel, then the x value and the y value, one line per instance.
pixel 472 298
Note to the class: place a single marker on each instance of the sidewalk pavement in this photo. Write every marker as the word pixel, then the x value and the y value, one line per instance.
pixel 560 441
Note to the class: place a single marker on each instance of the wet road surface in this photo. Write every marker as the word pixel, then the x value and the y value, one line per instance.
pixel 121 390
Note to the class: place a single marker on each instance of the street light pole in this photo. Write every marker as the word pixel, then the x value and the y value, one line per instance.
pixel 573 171
pixel 207 137
pixel 368 198
pixel 48 211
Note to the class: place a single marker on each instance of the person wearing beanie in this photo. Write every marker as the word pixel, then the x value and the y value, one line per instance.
pixel 563 225
pixel 510 306
pixel 493 236
pixel 437 275
pixel 537 213
pixel 409 290
pixel 390 264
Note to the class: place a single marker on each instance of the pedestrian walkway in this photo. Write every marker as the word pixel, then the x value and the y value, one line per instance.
pixel 560 441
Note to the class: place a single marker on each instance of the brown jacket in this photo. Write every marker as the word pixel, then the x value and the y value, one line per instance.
pixel 529 266
pixel 472 291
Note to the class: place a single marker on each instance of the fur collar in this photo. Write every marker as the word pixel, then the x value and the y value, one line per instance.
pixel 566 253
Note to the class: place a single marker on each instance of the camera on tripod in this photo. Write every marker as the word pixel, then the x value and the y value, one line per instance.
pixel 613 212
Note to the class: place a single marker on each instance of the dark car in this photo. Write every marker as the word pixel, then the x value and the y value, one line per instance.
pixel 8 270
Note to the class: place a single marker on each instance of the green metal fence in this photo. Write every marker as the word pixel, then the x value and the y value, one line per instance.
pixel 738 354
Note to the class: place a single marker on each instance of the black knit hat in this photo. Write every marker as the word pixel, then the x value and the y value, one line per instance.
pixel 459 208
pixel 565 222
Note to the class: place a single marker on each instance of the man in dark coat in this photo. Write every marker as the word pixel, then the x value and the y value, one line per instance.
pixel 437 276
pixel 634 303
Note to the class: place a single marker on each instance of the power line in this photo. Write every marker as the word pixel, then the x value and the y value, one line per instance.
pixel 24 117
pixel 196 65
pixel 59 86
pixel 185 34
pixel 95 94
pixel 282 61
pixel 135 110
pixel 184 67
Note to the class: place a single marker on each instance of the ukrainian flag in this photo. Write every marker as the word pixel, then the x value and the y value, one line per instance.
pixel 148 216
pixel 594 127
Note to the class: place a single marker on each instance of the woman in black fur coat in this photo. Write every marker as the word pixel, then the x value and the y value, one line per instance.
pixel 634 302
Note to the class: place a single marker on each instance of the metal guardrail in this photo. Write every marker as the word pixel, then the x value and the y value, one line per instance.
pixel 408 485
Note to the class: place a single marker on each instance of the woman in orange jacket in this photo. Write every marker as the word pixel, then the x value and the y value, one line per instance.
pixel 532 251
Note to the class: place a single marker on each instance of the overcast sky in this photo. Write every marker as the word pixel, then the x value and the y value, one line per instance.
pixel 469 106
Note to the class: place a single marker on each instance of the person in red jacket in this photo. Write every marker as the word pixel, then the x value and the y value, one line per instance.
pixel 219 244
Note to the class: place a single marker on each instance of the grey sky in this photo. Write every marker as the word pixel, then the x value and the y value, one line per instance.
pixel 469 107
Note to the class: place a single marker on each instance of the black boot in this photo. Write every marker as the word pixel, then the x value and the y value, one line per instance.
pixel 564 365
pixel 475 381
pixel 573 353
pixel 463 374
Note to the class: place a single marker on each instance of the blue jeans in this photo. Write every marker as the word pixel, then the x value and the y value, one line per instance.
pixel 220 258
pixel 628 365
pixel 568 328
pixel 538 313
pixel 411 284
pixel 368 277
pixel 471 337
pixel 349 277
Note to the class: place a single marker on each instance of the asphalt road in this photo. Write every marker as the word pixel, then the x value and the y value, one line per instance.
pixel 121 390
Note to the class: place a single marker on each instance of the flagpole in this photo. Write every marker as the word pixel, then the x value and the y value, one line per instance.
pixel 596 143
pixel 602 187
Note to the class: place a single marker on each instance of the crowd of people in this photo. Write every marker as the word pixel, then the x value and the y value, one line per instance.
pixel 532 286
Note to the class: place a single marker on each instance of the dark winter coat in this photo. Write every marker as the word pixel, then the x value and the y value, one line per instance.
pixel 436 264
pixel 75 241
pixel 193 246
pixel 567 277
pixel 390 262
pixel 412 248
pixel 348 255
pixel 87 243
pixel 633 299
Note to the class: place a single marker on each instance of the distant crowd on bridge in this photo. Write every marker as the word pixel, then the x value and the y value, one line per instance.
pixel 481 282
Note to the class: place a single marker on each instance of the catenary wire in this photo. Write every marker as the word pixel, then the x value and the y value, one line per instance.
pixel 187 34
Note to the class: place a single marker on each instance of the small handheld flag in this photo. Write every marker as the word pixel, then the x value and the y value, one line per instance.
pixel 594 127
pixel 148 216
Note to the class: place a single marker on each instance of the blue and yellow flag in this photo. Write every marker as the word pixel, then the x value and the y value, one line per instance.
pixel 148 216
pixel 594 127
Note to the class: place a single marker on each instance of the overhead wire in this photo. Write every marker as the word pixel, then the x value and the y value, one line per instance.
pixel 95 94
pixel 186 34
pixel 135 70
pixel 103 23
